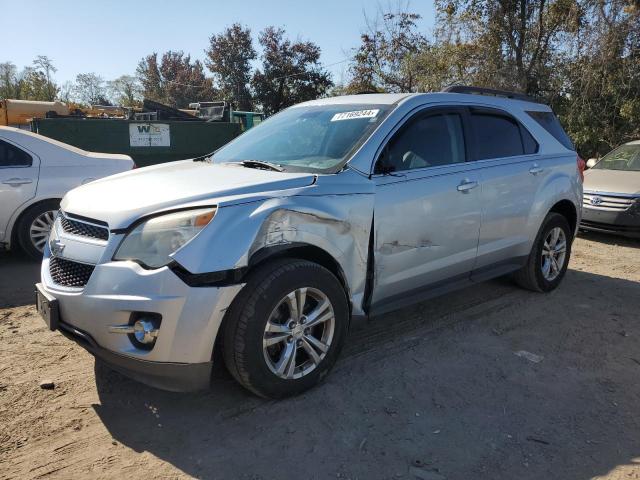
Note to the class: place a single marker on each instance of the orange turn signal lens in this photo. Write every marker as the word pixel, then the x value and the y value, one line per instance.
pixel 204 219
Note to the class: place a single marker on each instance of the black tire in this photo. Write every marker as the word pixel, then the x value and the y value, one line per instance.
pixel 24 225
pixel 244 326
pixel 531 275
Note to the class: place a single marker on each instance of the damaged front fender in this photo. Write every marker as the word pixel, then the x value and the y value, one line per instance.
pixel 324 217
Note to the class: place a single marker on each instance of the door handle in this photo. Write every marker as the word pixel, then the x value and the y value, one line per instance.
pixel 535 169
pixel 467 185
pixel 15 182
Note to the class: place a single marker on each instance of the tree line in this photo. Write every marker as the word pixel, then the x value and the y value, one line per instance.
pixel 287 72
pixel 580 56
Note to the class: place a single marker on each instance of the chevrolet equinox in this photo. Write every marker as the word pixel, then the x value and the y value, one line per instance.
pixel 328 213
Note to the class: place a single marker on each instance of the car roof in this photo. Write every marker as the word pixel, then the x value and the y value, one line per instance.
pixel 371 98
pixel 30 139
pixel 41 145
pixel 435 97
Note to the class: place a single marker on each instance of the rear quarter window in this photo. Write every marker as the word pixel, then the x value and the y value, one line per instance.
pixel 551 124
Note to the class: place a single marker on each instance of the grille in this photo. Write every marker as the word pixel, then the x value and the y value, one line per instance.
pixel 83 229
pixel 610 227
pixel 68 273
pixel 607 201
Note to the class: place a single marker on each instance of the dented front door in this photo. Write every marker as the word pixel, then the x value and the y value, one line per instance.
pixel 427 207
pixel 426 229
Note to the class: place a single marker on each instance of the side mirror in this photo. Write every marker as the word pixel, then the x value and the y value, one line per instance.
pixel 591 162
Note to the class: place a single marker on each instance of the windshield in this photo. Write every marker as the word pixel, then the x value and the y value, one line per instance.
pixel 625 157
pixel 317 138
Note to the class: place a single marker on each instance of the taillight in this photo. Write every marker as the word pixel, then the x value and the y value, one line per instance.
pixel 581 166
pixel 134 166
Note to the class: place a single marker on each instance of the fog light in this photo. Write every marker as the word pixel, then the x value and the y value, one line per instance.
pixel 142 330
pixel 145 332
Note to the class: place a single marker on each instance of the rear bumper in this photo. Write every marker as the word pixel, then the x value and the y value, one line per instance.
pixel 626 223
pixel 176 377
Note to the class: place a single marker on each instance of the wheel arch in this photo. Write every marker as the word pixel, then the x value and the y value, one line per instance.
pixel 303 251
pixel 20 213
pixel 567 209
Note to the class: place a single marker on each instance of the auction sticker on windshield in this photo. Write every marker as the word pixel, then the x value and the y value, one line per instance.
pixel 355 114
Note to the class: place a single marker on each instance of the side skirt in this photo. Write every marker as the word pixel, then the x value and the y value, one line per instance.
pixel 498 269
pixel 447 286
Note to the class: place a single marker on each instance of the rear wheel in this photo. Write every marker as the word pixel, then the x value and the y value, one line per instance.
pixel 34 227
pixel 286 328
pixel 549 257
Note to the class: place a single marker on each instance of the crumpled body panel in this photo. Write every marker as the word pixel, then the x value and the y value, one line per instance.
pixel 334 215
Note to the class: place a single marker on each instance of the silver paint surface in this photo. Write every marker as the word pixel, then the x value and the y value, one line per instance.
pixel 425 229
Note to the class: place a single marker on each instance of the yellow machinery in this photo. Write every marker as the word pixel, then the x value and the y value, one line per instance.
pixel 17 113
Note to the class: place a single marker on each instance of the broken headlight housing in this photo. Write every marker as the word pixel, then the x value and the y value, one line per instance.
pixel 153 241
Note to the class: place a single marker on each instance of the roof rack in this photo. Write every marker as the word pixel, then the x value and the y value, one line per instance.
pixel 489 91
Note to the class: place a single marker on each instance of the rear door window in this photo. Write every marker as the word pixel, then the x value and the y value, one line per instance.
pixel 499 136
pixel 11 156
pixel 551 124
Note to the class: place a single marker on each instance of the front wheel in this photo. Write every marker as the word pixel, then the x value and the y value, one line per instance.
pixel 286 328
pixel 549 257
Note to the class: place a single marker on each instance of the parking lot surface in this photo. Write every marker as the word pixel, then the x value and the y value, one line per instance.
pixel 489 382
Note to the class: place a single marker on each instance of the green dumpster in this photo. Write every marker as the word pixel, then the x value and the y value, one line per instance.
pixel 147 142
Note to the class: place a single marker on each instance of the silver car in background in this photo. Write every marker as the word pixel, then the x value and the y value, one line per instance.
pixel 325 215
pixel 35 173
pixel 611 201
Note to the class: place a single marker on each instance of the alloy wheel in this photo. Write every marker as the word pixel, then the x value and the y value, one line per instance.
pixel 298 333
pixel 554 252
pixel 40 228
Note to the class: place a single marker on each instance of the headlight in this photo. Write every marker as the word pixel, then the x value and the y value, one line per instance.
pixel 151 242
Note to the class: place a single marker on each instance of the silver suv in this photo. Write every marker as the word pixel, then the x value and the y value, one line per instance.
pixel 333 211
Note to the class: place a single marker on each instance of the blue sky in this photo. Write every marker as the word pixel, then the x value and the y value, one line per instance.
pixel 110 37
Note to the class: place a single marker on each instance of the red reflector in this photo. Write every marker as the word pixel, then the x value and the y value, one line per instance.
pixel 581 166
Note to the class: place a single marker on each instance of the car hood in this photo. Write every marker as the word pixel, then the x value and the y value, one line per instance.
pixel 612 181
pixel 121 199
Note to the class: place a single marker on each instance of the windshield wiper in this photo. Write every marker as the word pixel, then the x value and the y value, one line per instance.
pixel 261 165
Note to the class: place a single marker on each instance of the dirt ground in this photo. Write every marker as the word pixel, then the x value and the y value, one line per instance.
pixel 431 392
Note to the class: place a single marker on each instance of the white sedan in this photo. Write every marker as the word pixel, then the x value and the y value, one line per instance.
pixel 35 173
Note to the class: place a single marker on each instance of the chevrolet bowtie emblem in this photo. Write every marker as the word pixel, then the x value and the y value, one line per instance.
pixel 57 247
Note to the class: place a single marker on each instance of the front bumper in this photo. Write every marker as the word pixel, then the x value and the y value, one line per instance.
pixel 176 377
pixel 625 222
pixel 181 359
